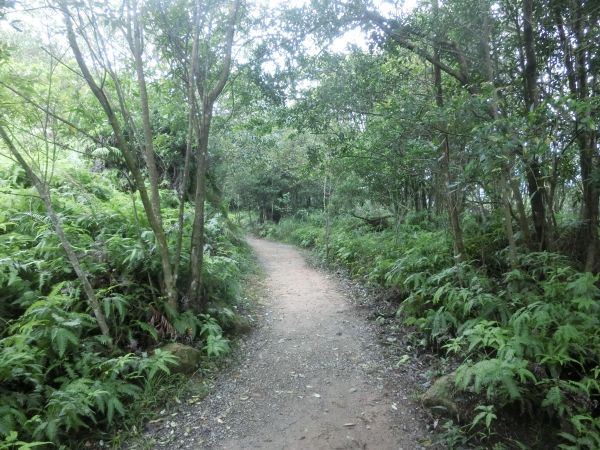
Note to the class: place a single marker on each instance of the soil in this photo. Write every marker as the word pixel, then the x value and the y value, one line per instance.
pixel 313 375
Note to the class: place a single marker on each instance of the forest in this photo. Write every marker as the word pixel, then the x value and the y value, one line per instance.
pixel 442 151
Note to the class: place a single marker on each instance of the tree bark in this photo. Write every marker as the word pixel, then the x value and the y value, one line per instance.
pixel 512 246
pixel 327 211
pixel 197 245
pixel 191 92
pixel 505 169
pixel 521 214
pixel 588 142
pixel 136 44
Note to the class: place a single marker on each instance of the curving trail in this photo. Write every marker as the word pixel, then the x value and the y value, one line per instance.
pixel 311 378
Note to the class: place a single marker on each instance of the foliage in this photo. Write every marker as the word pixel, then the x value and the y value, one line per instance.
pixel 60 377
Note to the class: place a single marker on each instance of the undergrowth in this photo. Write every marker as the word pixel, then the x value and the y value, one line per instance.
pixel 528 338
pixel 60 379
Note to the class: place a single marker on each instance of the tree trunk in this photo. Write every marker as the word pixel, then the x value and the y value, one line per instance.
pixel 506 169
pixel 577 77
pixel 197 245
pixel 538 204
pixel 534 177
pixel 590 200
pixel 521 214
pixel 588 152
pixel 192 117
pixel 326 198
pixel 208 99
pixel 128 156
pixel 136 44
pixel 452 197
pixel 512 246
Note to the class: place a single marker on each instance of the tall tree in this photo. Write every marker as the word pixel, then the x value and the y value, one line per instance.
pixel 208 91
pixel 95 42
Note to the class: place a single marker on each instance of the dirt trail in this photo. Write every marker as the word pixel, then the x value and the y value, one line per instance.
pixel 312 376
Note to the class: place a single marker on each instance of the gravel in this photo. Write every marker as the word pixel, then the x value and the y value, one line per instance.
pixel 315 374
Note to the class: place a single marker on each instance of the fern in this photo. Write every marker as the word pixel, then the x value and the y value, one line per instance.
pixel 11 442
pixel 157 363
pixel 585 434
pixel 188 323
pixel 61 338
pixel 500 379
pixel 216 345
pixel 58 375
pixel 486 415
pixel 555 400
pixel 210 327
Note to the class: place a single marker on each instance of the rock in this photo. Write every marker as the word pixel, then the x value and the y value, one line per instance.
pixel 240 326
pixel 189 357
pixel 442 397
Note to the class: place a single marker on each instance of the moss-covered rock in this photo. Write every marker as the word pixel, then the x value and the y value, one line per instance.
pixel 240 326
pixel 188 357
pixel 442 397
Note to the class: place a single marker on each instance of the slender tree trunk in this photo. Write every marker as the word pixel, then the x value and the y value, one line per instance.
pixel 452 196
pixel 128 156
pixel 588 152
pixel 44 193
pixel 521 214
pixel 136 217
pixel 538 203
pixel 136 44
pixel 512 246
pixel 506 170
pixel 424 205
pixel 192 115
pixel 197 244
pixel 591 197
pixel 553 183
pixel 577 77
pixel 208 99
pixel 534 177
pixel 326 197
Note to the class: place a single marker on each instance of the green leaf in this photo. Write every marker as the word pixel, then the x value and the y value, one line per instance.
pixel 61 338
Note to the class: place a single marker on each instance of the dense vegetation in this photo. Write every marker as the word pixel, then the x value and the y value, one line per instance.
pixel 59 373
pixel 452 157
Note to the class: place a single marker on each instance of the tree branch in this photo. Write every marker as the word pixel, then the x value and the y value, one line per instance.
pixel 399 38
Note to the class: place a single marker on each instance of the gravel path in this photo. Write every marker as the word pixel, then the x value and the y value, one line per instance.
pixel 312 377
